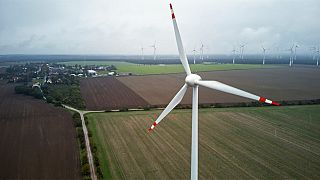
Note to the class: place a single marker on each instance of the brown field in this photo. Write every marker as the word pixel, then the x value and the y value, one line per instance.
pixel 108 93
pixel 234 143
pixel 298 83
pixel 37 140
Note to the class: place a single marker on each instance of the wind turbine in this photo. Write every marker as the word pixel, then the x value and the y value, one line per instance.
pixel 193 81
pixel 142 54
pixel 277 51
pixel 264 54
pixel 201 51
pixel 194 55
pixel 242 50
pixel 313 49
pixel 154 50
pixel 291 55
pixel 318 52
pixel 295 51
pixel 234 54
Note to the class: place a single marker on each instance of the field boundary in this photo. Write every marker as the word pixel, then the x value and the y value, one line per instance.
pixel 220 105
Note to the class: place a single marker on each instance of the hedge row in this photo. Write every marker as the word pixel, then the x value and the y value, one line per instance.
pixel 85 167
pixel 94 152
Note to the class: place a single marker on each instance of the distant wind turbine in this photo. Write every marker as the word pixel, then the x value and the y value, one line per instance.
pixel 291 55
pixel 201 51
pixel 264 54
pixel 295 51
pixel 313 49
pixel 234 54
pixel 242 50
pixel 277 51
pixel 207 48
pixel 154 50
pixel 194 55
pixel 142 54
pixel 318 52
pixel 194 81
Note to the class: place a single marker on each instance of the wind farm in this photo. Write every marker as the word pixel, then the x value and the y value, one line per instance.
pixel 116 90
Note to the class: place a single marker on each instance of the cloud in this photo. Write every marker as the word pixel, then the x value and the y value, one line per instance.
pixel 31 41
pixel 122 26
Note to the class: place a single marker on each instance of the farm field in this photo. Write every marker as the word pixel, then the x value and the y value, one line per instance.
pixel 140 69
pixel 234 143
pixel 107 93
pixel 277 84
pixel 37 140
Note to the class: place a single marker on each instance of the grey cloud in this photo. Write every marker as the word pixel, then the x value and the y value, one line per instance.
pixel 121 26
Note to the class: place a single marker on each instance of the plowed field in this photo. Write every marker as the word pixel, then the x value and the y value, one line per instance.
pixel 234 143
pixel 107 93
pixel 37 140
pixel 277 84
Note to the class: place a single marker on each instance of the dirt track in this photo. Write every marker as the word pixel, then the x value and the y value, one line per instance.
pixel 277 84
pixel 37 140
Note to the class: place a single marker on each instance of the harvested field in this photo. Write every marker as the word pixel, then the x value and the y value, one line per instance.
pixel 298 83
pixel 37 140
pixel 234 143
pixel 107 93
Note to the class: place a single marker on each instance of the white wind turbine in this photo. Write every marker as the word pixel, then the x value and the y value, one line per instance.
pixel 264 54
pixel 313 49
pixel 318 52
pixel 201 51
pixel 242 50
pixel 295 51
pixel 142 54
pixel 154 50
pixel 194 80
pixel 194 55
pixel 291 55
pixel 234 54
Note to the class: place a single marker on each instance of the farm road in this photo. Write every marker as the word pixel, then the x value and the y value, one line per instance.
pixel 86 137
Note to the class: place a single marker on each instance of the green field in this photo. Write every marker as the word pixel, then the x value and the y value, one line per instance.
pixel 234 143
pixel 125 67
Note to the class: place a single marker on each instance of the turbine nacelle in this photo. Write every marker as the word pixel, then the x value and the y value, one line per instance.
pixel 191 80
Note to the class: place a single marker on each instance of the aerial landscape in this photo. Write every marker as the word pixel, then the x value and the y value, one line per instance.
pixel 84 86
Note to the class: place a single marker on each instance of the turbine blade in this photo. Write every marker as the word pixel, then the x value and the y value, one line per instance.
pixel 173 103
pixel 182 54
pixel 231 90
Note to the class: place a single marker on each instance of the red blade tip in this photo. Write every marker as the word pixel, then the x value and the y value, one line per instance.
pixel 170 6
pixel 275 103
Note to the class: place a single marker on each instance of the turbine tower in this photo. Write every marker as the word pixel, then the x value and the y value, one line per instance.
pixel 194 55
pixel 154 50
pixel 291 55
pixel 295 51
pixel 234 54
pixel 318 52
pixel 201 51
pixel 193 81
pixel 313 49
pixel 264 54
pixel 142 54
pixel 242 50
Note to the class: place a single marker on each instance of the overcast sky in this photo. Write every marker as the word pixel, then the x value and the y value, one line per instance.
pixel 123 26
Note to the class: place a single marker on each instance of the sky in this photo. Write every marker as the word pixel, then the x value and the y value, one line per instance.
pixel 124 26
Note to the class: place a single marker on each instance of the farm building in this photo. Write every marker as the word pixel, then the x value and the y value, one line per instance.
pixel 92 72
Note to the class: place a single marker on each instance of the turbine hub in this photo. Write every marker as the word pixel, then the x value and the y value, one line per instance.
pixel 192 79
